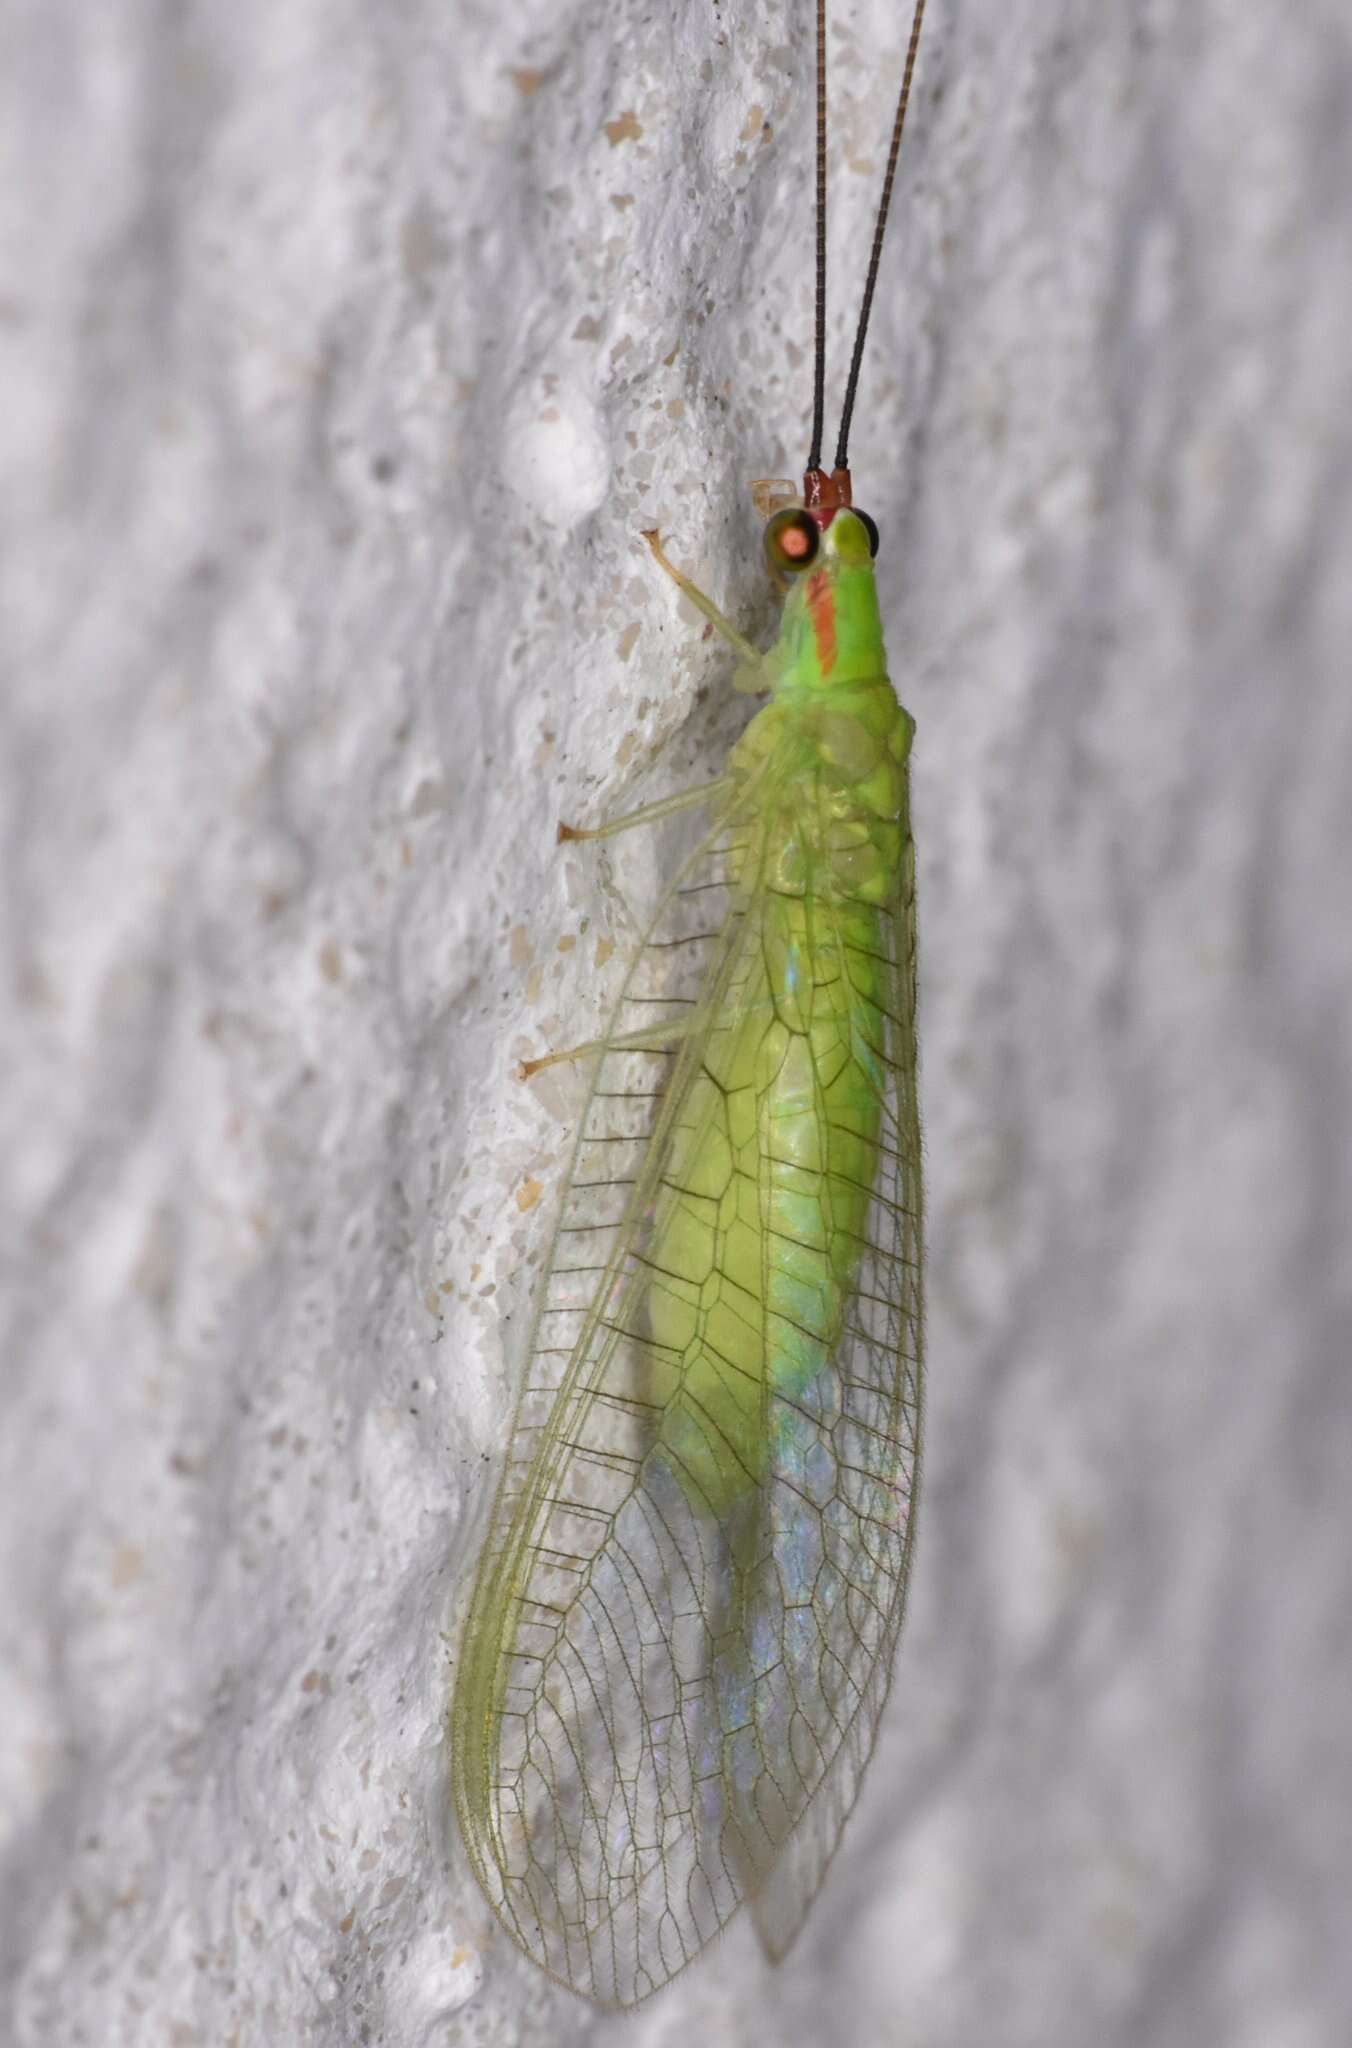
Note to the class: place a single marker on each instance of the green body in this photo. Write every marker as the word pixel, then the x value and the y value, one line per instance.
pixel 777 1153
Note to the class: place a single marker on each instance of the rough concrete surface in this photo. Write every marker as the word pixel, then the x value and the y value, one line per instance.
pixel 344 348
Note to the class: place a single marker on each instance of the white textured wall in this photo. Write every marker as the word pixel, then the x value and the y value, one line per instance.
pixel 343 351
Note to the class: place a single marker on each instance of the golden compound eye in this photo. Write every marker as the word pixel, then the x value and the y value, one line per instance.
pixel 791 541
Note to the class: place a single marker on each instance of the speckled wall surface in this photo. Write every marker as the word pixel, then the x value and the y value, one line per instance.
pixel 344 349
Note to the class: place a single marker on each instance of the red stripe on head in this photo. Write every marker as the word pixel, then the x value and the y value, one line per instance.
pixel 821 607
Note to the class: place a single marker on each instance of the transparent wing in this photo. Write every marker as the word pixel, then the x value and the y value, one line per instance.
pixel 639 1747
pixel 817 1708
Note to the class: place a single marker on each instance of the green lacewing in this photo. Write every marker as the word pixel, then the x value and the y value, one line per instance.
pixel 683 1627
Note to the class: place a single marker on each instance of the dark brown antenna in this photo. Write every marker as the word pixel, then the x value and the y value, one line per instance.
pixel 880 228
pixel 819 365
